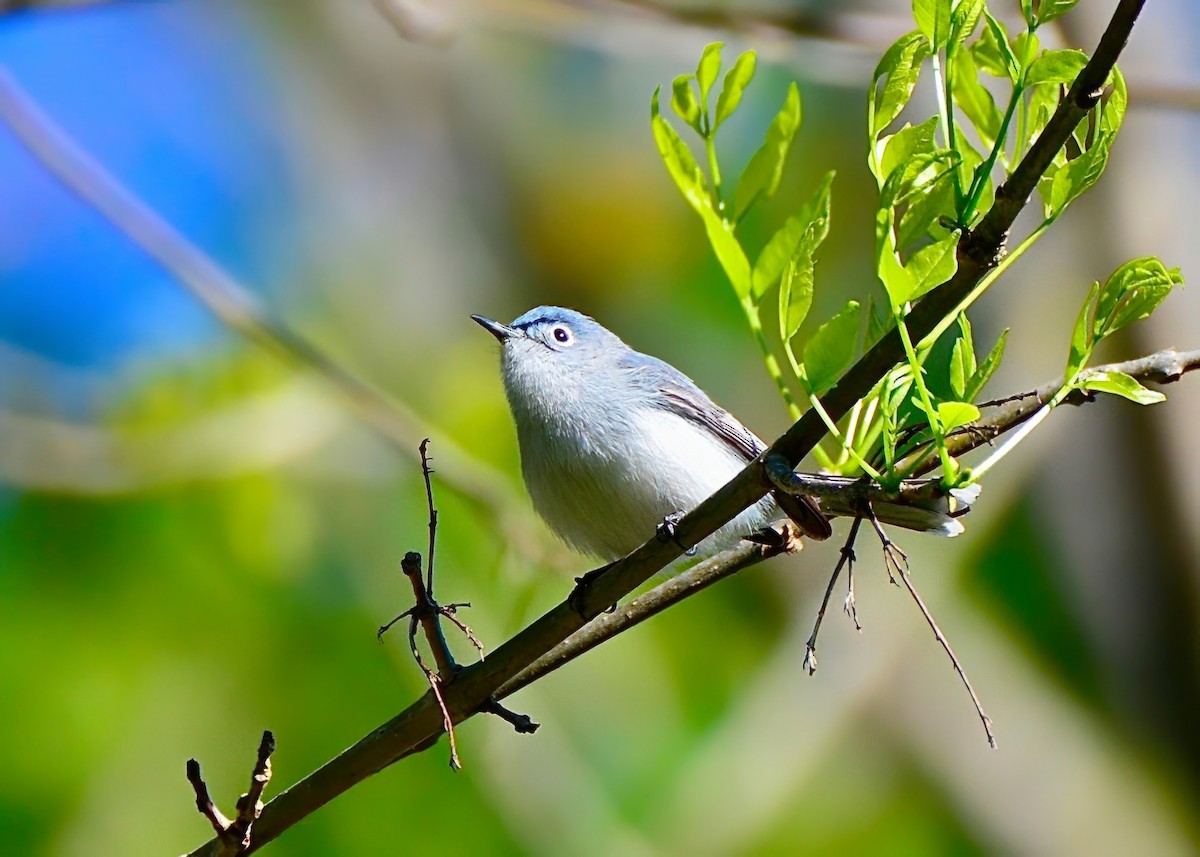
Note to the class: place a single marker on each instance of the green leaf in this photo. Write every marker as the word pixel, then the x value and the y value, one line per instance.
pixel 916 175
pixel 897 282
pixel 829 353
pixel 736 81
pixel 800 235
pixel 796 287
pixel 777 253
pixel 908 141
pixel 761 177
pixel 910 179
pixel 795 296
pixel 963 21
pixel 1027 13
pixel 1043 101
pixel 1133 292
pixel 993 53
pixel 1113 113
pixel 683 101
pixel 923 214
pixel 1025 48
pixel 958 373
pixel 879 322
pixel 933 265
pixel 1081 337
pixel 708 69
pixel 679 161
pixel 901 65
pixel 1048 10
pixel 990 363
pixel 975 99
pixel 729 251
pixel 691 182
pixel 1120 384
pixel 952 415
pixel 933 19
pixel 1070 181
pixel 962 358
pixel 1059 67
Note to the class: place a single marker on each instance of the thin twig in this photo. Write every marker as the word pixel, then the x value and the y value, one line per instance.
pixel 520 722
pixel 895 559
pixel 849 605
pixel 427 612
pixel 234 835
pixel 447 721
pixel 426 473
pixel 847 558
pixel 204 802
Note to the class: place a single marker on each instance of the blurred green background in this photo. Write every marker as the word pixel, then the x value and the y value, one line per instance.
pixel 198 541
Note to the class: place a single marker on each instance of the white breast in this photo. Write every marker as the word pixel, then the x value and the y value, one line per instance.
pixel 606 494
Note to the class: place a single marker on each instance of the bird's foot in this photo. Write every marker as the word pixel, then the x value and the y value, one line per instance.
pixel 667 532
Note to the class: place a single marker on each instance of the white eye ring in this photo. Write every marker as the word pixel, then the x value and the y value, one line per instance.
pixel 562 334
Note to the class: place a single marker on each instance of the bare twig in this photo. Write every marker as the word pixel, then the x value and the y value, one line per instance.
pixel 846 559
pixel 424 614
pixel 204 803
pixel 520 722
pixel 895 560
pixel 234 835
pixel 426 473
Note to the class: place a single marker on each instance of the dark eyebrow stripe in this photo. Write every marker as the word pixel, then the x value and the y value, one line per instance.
pixel 541 319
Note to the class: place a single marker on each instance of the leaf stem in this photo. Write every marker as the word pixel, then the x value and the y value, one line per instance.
pixel 980 179
pixel 987 279
pixel 837 435
pixel 942 85
pixel 714 169
pixel 772 364
pixel 949 466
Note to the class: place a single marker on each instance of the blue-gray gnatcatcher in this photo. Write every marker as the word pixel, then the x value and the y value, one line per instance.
pixel 614 442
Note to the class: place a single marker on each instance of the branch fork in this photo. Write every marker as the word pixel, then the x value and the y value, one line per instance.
pixel 426 614
pixel 234 834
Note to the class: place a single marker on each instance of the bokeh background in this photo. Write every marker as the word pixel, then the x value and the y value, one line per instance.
pixel 198 539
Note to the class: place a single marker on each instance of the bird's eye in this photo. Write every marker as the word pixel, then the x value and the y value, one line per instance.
pixel 562 334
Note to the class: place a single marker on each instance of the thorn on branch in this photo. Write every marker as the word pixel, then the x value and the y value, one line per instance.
pixel 234 835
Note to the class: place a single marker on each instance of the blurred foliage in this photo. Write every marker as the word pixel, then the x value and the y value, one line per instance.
pixel 168 604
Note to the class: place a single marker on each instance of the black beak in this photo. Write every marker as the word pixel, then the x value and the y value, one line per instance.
pixel 495 328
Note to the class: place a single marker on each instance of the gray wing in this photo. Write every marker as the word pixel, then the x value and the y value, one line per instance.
pixel 675 392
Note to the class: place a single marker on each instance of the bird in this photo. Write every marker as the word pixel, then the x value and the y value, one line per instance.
pixel 614 442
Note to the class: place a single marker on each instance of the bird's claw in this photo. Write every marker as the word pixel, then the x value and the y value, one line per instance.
pixel 667 532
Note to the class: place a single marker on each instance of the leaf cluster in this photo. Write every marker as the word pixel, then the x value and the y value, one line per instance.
pixel 935 177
